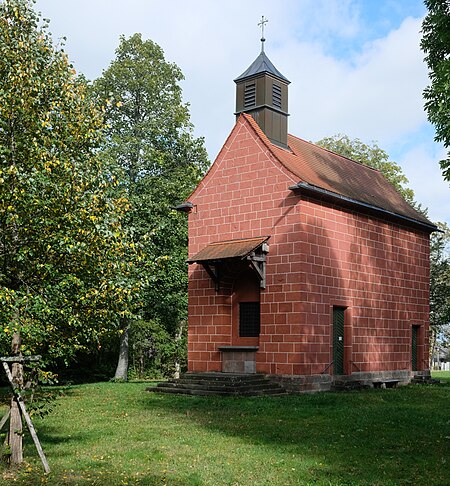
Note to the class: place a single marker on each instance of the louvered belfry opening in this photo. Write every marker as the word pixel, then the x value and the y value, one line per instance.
pixel 262 92
pixel 276 95
pixel 250 95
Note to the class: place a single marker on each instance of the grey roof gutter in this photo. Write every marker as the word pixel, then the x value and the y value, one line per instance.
pixel 324 194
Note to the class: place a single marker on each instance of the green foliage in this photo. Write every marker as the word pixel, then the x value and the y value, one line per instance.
pixel 153 351
pixel 371 155
pixel 149 136
pixel 436 46
pixel 65 263
pixel 440 289
pixel 440 276
pixel 39 398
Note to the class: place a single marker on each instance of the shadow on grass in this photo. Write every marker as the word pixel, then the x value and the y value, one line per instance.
pixel 398 436
pixel 117 434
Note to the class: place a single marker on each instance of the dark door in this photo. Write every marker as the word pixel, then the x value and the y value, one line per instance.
pixel 414 339
pixel 338 340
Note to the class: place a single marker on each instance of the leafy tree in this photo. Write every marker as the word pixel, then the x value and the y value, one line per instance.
pixel 149 135
pixel 65 263
pixel 436 46
pixel 440 287
pixel 370 155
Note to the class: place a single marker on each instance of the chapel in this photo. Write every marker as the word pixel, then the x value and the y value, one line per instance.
pixel 304 265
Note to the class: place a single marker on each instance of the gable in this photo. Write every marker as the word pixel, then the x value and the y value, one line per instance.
pixel 314 168
pixel 244 155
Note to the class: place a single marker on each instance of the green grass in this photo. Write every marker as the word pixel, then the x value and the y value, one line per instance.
pixel 441 375
pixel 112 434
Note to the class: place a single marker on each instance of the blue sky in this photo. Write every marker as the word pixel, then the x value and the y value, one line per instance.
pixel 355 67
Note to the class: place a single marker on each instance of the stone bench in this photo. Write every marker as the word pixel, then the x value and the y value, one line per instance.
pixel 389 383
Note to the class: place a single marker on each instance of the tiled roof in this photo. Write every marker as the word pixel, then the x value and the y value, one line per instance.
pixel 331 172
pixel 221 250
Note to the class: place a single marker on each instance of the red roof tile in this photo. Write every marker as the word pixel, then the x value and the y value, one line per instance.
pixel 339 175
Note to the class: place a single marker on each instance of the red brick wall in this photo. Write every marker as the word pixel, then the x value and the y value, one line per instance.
pixel 320 256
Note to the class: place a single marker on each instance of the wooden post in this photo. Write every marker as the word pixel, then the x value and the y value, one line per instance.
pixel 4 419
pixel 31 428
pixel 15 417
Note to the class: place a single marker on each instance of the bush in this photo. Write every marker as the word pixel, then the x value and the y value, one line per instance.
pixel 154 352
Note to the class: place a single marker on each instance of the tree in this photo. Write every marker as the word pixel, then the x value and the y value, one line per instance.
pixel 439 288
pixel 65 266
pixel 65 261
pixel 436 46
pixel 149 135
pixel 370 155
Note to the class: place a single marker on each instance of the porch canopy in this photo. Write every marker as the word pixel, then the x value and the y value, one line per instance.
pixel 214 256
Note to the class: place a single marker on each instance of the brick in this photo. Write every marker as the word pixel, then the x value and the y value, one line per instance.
pixel 319 255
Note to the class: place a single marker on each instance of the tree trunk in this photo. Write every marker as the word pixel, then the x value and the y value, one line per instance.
pixel 15 418
pixel 432 343
pixel 178 337
pixel 122 365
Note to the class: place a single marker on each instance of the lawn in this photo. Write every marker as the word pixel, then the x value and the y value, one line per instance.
pixel 112 434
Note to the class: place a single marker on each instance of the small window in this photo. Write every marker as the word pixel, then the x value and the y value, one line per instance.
pixel 249 95
pixel 249 323
pixel 276 96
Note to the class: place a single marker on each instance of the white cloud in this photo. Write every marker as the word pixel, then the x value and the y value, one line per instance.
pixel 371 89
pixel 377 96
pixel 420 164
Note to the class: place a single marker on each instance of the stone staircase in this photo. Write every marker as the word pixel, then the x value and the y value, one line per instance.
pixel 222 384
pixel 424 380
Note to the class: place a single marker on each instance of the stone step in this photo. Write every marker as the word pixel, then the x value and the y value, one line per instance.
pixel 201 391
pixel 223 376
pixel 205 392
pixel 184 391
pixel 231 383
pixel 221 384
pixel 424 380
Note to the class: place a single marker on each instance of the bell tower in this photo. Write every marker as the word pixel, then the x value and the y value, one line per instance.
pixel 262 92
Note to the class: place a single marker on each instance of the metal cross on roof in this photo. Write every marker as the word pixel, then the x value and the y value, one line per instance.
pixel 262 24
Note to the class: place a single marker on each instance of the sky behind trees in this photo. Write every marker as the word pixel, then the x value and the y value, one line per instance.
pixel 355 67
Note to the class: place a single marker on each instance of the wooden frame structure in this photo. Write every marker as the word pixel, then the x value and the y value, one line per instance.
pixel 19 402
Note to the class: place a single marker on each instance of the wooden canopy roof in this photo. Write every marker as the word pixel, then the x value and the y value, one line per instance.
pixel 222 250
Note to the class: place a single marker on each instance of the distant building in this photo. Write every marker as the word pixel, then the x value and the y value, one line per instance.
pixel 304 265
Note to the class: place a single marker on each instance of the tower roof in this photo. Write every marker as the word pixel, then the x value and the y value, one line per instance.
pixel 262 64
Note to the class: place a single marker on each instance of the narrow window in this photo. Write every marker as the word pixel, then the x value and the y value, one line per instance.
pixel 249 95
pixel 276 96
pixel 249 322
